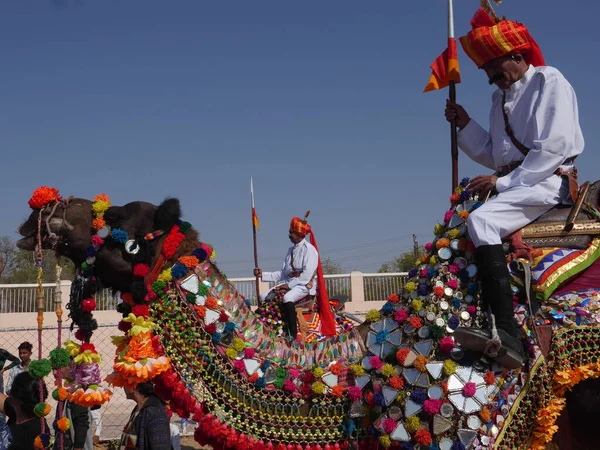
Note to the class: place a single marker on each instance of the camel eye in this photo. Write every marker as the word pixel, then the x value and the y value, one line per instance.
pixel 131 247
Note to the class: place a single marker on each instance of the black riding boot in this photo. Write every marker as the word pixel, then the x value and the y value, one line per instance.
pixel 497 295
pixel 289 316
pixel 495 286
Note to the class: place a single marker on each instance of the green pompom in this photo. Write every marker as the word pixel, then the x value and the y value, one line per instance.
pixel 281 373
pixel 40 368
pixel 278 383
pixel 203 290
pixel 41 409
pixel 184 227
pixel 55 395
pixel 436 332
pixel 158 287
pixel 59 358
pixel 191 298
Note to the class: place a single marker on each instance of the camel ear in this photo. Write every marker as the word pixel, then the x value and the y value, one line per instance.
pixel 167 214
pixel 114 216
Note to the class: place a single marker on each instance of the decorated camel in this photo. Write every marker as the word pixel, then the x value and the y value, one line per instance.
pixel 398 380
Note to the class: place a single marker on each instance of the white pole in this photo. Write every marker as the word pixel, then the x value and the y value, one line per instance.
pixel 252 191
pixel 450 20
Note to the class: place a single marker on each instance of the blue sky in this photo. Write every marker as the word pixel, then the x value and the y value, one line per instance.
pixel 319 101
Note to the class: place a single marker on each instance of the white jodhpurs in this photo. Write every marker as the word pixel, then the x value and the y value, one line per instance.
pixel 514 208
pixel 292 296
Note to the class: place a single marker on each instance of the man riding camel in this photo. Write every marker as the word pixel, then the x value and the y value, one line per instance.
pixel 532 143
pixel 300 266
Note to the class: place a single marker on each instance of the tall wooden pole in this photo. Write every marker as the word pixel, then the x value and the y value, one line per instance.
pixel 257 281
pixel 452 95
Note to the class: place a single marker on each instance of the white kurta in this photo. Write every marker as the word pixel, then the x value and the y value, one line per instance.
pixel 305 259
pixel 543 114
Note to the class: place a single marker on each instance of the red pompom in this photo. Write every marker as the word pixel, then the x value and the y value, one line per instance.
pixel 211 328
pixel 88 305
pixel 141 270
pixel 80 334
pixel 141 310
pixel 87 346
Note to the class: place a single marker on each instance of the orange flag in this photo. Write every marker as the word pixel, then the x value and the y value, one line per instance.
pixel 255 219
pixel 445 68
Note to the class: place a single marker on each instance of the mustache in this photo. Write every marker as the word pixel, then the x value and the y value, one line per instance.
pixel 496 77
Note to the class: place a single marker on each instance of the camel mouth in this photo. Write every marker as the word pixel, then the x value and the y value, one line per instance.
pixel 27 243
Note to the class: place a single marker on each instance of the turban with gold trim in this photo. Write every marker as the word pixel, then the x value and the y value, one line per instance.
pixel 489 40
pixel 300 226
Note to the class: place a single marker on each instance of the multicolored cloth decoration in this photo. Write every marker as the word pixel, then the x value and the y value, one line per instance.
pixel 552 267
pixel 489 40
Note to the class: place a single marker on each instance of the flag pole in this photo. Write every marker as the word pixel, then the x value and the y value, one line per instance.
pixel 257 280
pixel 452 95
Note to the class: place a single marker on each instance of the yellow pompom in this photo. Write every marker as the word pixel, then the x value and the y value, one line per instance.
pixel 449 367
pixel 387 370
pixel 412 424
pixel 357 370
pixel 385 441
pixel 410 286
pixel 454 233
pixel 373 316
pixel 231 353
pixel 318 388
pixel 213 254
pixel 165 276
pixel 317 372
pixel 433 260
pixel 438 230
pixel 417 304
pixel 238 345
pixel 99 207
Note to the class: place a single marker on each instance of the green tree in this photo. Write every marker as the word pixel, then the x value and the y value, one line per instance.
pixel 20 266
pixel 402 263
pixel 330 267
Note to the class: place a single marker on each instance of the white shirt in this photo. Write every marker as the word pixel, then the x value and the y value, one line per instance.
pixel 12 373
pixel 543 114
pixel 306 259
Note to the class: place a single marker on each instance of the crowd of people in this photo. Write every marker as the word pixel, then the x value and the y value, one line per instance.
pixel 148 427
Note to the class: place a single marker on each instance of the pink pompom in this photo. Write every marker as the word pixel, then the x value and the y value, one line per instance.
pixel 239 365
pixel 453 284
pixel 424 273
pixel 469 389
pixel 354 393
pixel 248 353
pixel 97 241
pixel 428 246
pixel 389 425
pixel 448 216
pixel 472 309
pixel 446 344
pixel 289 386
pixel 375 362
pixel 432 406
pixel 294 374
pixel 453 269
pixel 401 315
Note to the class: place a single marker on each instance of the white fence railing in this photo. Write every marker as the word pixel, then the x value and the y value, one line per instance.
pixel 361 287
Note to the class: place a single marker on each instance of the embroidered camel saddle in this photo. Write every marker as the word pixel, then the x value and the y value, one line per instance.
pixel 567 226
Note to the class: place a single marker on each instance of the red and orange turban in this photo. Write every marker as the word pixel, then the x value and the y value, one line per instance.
pixel 300 226
pixel 489 40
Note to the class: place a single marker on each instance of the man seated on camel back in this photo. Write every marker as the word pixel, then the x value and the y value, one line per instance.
pixel 300 265
pixel 532 143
